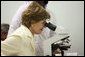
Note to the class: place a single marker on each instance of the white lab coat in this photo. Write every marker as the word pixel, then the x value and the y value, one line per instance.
pixel 46 33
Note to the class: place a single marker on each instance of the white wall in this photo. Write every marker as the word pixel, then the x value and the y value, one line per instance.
pixel 8 8
pixel 69 14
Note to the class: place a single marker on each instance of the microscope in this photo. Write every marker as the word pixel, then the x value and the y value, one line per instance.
pixel 62 44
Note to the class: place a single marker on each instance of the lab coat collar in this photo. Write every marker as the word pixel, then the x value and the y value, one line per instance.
pixel 29 35
pixel 27 31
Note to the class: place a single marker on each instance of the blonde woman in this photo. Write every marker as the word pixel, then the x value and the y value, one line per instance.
pixel 21 42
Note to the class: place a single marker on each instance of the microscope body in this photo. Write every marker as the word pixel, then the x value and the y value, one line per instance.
pixel 57 40
pixel 62 46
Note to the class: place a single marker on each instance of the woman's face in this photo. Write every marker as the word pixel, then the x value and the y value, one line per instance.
pixel 36 28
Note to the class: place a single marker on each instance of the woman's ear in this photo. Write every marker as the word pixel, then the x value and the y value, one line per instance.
pixel 33 22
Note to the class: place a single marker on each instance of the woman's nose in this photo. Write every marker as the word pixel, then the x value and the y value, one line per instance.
pixel 44 26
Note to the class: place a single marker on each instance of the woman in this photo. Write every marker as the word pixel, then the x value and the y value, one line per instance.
pixel 16 20
pixel 21 42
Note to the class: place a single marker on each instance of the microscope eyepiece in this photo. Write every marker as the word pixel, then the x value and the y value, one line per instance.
pixel 50 26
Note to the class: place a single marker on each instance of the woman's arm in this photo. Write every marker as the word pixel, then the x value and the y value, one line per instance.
pixel 11 46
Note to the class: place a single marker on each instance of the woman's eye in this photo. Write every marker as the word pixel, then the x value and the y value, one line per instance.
pixel 44 22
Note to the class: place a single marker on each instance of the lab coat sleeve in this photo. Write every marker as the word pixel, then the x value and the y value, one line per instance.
pixel 11 46
pixel 16 20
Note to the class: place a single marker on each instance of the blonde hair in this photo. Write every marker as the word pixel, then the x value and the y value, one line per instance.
pixel 34 12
